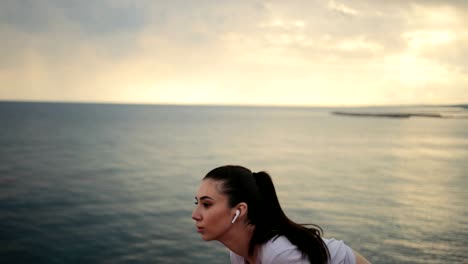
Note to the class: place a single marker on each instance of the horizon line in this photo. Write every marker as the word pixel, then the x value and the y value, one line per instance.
pixel 228 104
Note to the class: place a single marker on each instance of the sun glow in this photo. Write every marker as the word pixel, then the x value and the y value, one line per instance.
pixel 421 39
pixel 409 69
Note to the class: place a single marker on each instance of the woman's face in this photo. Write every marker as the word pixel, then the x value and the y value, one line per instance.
pixel 212 213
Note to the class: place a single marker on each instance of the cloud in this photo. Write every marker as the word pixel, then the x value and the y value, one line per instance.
pixel 342 8
pixel 275 52
pixel 101 17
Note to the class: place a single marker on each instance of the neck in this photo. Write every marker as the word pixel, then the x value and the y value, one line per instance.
pixel 238 241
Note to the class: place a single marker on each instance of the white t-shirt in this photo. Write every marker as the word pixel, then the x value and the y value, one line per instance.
pixel 281 251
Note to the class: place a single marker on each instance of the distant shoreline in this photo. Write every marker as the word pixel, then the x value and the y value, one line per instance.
pixel 389 115
pixel 397 115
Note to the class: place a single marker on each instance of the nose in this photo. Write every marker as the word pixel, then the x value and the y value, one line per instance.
pixel 196 215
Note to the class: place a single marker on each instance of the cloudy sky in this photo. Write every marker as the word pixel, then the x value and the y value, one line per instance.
pixel 309 52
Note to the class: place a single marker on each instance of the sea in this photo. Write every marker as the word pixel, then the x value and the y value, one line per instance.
pixel 115 183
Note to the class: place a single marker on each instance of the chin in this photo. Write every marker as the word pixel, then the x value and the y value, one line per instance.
pixel 207 237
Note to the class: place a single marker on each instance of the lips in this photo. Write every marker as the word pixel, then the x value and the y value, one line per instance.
pixel 200 229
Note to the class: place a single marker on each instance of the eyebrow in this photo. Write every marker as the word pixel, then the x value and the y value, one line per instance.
pixel 204 198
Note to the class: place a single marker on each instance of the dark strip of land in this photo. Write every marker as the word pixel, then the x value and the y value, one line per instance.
pixel 390 115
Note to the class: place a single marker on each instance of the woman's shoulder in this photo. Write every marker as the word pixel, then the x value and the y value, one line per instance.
pixel 281 250
pixel 278 244
pixel 276 250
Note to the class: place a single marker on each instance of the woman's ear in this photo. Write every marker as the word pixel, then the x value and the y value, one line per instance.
pixel 243 208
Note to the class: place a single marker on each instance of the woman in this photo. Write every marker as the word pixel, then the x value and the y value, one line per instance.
pixel 241 210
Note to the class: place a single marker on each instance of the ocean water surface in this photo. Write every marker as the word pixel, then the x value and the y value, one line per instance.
pixel 95 183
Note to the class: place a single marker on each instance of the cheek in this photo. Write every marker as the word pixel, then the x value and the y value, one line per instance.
pixel 217 217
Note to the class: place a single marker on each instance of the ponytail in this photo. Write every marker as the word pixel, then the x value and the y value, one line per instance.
pixel 275 223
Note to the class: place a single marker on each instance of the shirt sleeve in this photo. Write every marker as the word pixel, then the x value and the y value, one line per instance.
pixel 290 256
pixel 340 253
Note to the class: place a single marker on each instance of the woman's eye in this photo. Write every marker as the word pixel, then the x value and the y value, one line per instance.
pixel 206 205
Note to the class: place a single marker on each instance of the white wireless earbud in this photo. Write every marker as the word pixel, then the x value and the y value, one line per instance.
pixel 235 217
